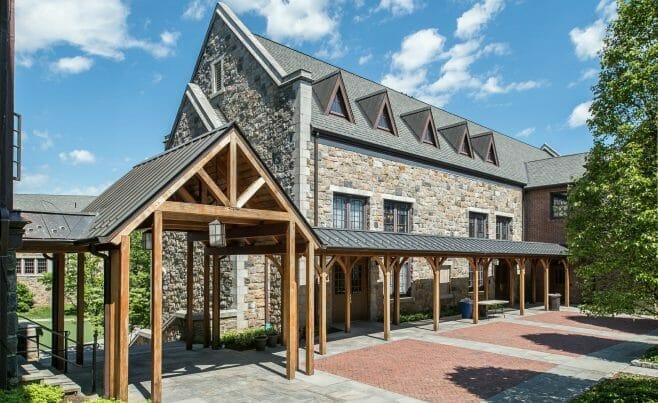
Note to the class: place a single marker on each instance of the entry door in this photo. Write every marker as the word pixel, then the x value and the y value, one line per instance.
pixel 359 293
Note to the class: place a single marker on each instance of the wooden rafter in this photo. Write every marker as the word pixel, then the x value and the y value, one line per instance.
pixel 212 187
pixel 250 192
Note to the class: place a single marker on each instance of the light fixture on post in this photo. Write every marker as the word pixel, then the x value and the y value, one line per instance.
pixel 217 234
pixel 147 240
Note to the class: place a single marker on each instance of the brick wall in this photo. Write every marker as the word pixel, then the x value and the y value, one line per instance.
pixel 539 226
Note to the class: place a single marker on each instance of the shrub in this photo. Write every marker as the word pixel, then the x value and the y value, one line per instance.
pixel 622 388
pixel 33 393
pixel 25 298
pixel 245 340
pixel 651 355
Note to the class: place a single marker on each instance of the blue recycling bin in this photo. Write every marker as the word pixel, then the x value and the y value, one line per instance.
pixel 466 308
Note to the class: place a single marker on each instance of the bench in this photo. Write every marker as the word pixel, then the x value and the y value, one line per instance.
pixel 494 304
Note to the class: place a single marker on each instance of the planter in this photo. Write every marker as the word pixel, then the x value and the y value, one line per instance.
pixel 261 342
pixel 272 340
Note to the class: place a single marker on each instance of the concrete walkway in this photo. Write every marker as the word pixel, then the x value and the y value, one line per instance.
pixel 547 370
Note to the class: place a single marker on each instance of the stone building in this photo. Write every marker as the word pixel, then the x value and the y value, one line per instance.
pixel 357 155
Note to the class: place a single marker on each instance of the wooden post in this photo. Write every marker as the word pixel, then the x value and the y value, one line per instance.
pixel 310 308
pixel 109 335
pixel 545 263
pixel 156 310
pixel 233 173
pixel 285 303
pixel 215 302
pixel 122 314
pixel 533 272
pixel 396 292
pixel 324 273
pixel 521 265
pixel 476 288
pixel 436 263
pixel 291 313
pixel 80 311
pixel 206 301
pixel 348 296
pixel 189 331
pixel 387 297
pixel 57 340
pixel 567 291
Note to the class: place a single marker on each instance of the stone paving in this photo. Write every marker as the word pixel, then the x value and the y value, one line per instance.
pixel 417 363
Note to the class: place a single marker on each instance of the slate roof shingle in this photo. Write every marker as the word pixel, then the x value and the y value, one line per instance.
pixel 555 171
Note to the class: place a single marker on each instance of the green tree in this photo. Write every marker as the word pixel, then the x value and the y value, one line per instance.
pixel 612 226
pixel 140 282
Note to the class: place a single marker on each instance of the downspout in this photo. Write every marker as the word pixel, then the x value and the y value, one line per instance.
pixel 315 178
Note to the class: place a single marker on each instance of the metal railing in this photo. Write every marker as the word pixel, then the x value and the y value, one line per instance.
pixel 60 354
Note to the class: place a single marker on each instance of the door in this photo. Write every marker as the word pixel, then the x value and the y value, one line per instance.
pixel 359 293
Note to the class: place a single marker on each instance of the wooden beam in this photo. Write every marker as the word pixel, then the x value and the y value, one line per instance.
pixel 436 299
pixel 567 281
pixel 250 192
pixel 545 264
pixel 291 313
pixel 57 340
pixel 80 311
pixel 396 292
pixel 250 250
pixel 206 301
pixel 348 295
pixel 533 273
pixel 215 302
pixel 185 195
pixel 310 309
pixel 324 273
pixel 473 261
pixel 122 312
pixel 189 331
pixel 232 172
pixel 156 310
pixel 212 187
pixel 521 265
pixel 109 327
pixel 190 211
pixel 255 231
pixel 386 268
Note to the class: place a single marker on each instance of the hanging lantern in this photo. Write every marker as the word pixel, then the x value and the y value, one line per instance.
pixel 217 234
pixel 147 240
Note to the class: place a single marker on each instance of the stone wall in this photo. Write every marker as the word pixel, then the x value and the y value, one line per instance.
pixel 42 296
pixel 441 203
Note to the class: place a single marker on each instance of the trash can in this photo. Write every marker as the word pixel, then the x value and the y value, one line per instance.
pixel 466 308
pixel 554 302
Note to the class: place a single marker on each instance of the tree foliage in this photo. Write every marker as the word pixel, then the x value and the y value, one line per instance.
pixel 612 226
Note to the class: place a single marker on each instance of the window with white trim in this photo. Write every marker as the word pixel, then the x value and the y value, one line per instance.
pixel 28 266
pixel 42 266
pixel 350 212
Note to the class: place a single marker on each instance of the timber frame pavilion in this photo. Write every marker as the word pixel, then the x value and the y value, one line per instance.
pixel 220 176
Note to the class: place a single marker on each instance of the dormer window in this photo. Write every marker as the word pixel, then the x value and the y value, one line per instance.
pixel 428 135
pixel 384 121
pixel 484 145
pixel 465 148
pixel 491 155
pixel 338 105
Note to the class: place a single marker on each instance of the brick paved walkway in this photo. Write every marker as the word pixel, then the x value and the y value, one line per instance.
pixel 533 338
pixel 570 318
pixel 433 372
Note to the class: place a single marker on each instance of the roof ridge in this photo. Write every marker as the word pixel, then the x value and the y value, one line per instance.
pixel 558 157
pixel 378 92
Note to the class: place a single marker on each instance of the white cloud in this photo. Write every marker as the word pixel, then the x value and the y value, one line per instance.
pixel 365 59
pixel 72 65
pixel 46 141
pixel 397 7
pixel 585 75
pixel 418 49
pixel 31 182
pixel 157 77
pixel 588 41
pixel 408 82
pixel 332 48
pixel 525 132
pixel 579 115
pixel 77 157
pixel 493 86
pixel 196 10
pixel 95 27
pixel 473 20
pixel 83 190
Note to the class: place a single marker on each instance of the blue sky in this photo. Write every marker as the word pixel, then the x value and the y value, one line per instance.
pixel 98 82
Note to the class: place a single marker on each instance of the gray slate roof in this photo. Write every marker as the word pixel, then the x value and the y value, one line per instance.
pixel 512 154
pixel 139 186
pixel 555 171
pixel 56 225
pixel 51 203
pixel 339 239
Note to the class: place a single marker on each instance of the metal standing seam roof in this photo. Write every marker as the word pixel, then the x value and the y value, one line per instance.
pixel 555 171
pixel 512 154
pixel 382 242
pixel 141 184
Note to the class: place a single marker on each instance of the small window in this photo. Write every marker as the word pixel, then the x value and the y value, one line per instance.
pixel 480 278
pixel 397 216
pixel 384 121
pixel 503 228
pixel 41 266
pixel 338 106
pixel 218 76
pixel 405 281
pixel 339 281
pixel 477 225
pixel 465 147
pixel 28 266
pixel 349 212
pixel 428 135
pixel 559 205
pixel 491 155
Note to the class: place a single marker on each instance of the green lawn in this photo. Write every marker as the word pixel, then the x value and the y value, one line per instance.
pixel 622 388
pixel 42 315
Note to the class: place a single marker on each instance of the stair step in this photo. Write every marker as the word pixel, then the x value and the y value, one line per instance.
pixel 37 376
